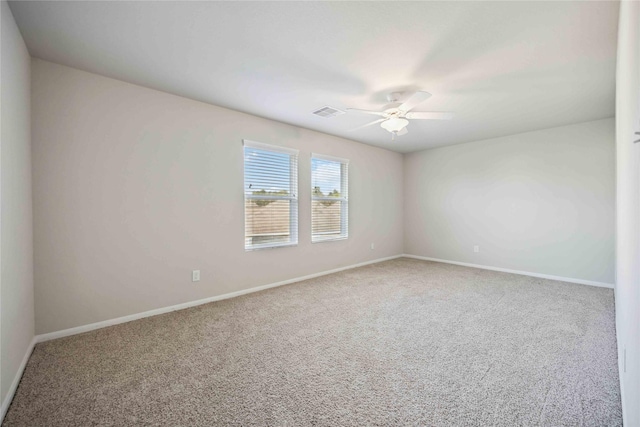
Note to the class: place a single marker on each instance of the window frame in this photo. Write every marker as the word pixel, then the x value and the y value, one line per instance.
pixel 292 197
pixel 344 199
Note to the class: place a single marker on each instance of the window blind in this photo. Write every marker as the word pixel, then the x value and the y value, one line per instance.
pixel 270 196
pixel 329 198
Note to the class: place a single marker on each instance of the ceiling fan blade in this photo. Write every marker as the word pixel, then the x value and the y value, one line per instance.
pixel 403 131
pixel 439 115
pixel 415 99
pixel 375 113
pixel 368 124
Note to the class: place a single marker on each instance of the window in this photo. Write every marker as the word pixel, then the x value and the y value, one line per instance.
pixel 329 198
pixel 270 196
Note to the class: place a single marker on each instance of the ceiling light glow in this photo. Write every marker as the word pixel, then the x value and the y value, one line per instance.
pixel 394 124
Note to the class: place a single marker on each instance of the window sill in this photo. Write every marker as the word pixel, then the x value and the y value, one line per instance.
pixel 259 248
pixel 333 239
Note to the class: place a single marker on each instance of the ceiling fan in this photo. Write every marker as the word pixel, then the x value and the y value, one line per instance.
pixel 396 117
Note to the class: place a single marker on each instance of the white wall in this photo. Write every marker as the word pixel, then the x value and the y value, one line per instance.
pixel 628 209
pixel 540 202
pixel 16 279
pixel 134 188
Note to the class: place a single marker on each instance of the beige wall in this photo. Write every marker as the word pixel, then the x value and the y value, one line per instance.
pixel 134 188
pixel 539 202
pixel 16 280
pixel 628 210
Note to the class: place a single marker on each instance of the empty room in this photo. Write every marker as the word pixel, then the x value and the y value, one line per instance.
pixel 320 213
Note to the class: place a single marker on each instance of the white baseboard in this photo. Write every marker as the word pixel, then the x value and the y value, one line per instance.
pixel 522 273
pixel 129 318
pixel 16 381
pixel 621 376
pixel 136 316
pixel 622 395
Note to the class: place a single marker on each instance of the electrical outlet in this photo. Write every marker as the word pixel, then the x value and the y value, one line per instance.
pixel 373 246
pixel 476 248
pixel 195 276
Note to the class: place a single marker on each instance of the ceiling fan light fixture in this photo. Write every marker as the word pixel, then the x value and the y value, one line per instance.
pixel 394 124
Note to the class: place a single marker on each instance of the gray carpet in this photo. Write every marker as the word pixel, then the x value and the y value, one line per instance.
pixel 403 342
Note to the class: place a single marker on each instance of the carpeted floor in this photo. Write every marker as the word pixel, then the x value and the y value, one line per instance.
pixel 402 342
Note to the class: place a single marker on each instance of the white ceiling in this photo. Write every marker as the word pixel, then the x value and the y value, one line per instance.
pixel 501 67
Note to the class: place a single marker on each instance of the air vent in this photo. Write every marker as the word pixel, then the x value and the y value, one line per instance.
pixel 327 112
